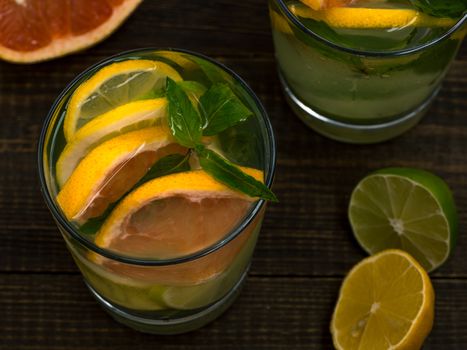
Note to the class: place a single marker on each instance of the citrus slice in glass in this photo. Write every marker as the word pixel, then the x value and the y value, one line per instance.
pixel 360 17
pixel 112 169
pixel 174 215
pixel 194 296
pixel 385 302
pixel 129 117
pixel 404 208
pixel 37 30
pixel 113 86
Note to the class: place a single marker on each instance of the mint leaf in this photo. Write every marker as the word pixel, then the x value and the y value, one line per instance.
pixel 193 89
pixel 171 164
pixel 184 120
pixel 232 176
pixel 212 71
pixel 221 109
pixel 442 8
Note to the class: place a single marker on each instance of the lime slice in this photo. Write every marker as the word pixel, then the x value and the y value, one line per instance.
pixel 132 116
pixel 114 86
pixel 404 208
pixel 195 296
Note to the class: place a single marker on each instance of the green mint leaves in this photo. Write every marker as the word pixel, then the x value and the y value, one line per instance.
pixel 232 176
pixel 217 109
pixel 221 109
pixel 442 8
pixel 184 119
pixel 171 164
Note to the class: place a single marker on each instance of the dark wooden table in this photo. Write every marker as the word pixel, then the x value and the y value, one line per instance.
pixel 306 245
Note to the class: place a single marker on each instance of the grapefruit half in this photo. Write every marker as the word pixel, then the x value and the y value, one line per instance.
pixel 38 30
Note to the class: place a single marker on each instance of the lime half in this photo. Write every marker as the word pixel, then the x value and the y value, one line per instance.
pixel 408 209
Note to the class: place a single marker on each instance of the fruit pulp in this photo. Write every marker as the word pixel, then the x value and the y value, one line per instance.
pixel 178 290
pixel 370 88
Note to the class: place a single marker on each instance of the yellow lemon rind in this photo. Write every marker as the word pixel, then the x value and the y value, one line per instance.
pixel 120 120
pixel 91 173
pixel 92 84
pixel 423 321
pixel 358 18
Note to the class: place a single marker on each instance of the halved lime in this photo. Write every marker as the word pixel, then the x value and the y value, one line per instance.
pixel 408 209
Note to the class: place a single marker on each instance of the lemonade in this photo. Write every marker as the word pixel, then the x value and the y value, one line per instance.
pixel 156 165
pixel 363 71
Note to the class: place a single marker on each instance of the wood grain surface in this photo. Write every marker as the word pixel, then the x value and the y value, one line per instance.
pixel 305 247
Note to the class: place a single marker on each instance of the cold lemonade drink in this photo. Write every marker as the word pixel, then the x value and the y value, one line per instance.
pixel 364 70
pixel 156 166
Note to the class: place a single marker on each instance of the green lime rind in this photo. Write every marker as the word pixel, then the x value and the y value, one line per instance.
pixel 405 208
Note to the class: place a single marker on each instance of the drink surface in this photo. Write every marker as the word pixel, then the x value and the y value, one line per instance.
pixel 132 186
pixel 372 25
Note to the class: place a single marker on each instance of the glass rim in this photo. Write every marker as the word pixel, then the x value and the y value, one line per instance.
pixel 247 219
pixel 374 53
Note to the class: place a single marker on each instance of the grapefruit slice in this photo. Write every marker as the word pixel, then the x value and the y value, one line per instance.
pixel 38 30
pixel 132 116
pixel 113 86
pixel 173 216
pixel 111 169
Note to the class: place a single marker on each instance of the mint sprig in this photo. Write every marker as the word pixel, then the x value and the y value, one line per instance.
pixel 231 175
pixel 221 109
pixel 442 8
pixel 184 120
pixel 217 109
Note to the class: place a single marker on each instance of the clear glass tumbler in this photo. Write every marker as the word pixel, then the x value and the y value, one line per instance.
pixel 353 95
pixel 167 296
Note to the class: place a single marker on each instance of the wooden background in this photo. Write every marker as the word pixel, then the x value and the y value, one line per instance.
pixel 305 247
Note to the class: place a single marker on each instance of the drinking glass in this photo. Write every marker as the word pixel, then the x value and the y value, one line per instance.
pixel 166 296
pixel 353 95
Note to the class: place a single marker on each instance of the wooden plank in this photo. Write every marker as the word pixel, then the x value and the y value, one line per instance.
pixel 57 312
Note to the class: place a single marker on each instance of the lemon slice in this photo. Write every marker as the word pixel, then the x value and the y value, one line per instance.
pixel 114 86
pixel 386 302
pixel 132 116
pixel 174 215
pixel 111 169
pixel 359 17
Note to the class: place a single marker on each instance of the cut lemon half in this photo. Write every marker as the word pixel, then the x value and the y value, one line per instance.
pixel 111 169
pixel 174 215
pixel 404 208
pixel 132 116
pixel 359 17
pixel 386 302
pixel 113 86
